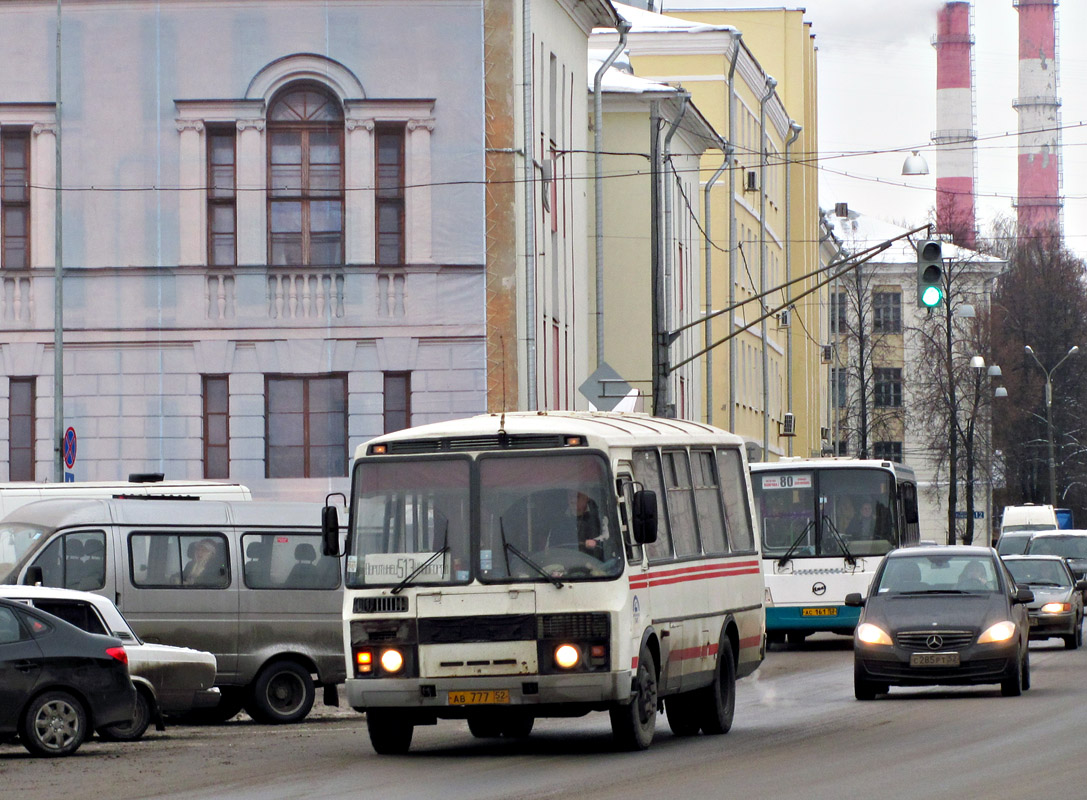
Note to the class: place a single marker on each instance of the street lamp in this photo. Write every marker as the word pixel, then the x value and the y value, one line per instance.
pixel 1049 414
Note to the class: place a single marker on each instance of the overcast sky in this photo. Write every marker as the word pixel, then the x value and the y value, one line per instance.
pixel 877 91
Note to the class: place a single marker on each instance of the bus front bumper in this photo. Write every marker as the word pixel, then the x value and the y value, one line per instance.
pixel 793 618
pixel 434 694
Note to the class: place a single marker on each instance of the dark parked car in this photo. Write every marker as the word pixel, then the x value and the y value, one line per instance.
pixel 941 615
pixel 58 683
pixel 1057 609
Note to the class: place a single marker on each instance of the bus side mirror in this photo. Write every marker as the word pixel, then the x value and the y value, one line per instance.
pixel 330 531
pixel 644 515
pixel 34 576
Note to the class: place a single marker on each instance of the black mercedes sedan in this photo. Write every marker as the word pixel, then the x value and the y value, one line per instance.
pixel 58 683
pixel 941 615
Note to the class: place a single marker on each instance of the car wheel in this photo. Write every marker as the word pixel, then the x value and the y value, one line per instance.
pixel 717 702
pixel 54 724
pixel 133 729
pixel 389 734
pixel 1012 686
pixel 634 724
pixel 231 701
pixel 1071 641
pixel 1026 670
pixel 682 713
pixel 283 693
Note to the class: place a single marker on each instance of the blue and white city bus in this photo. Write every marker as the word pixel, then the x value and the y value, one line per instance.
pixel 825 523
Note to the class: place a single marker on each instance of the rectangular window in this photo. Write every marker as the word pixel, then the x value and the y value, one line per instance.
pixel 288 560
pixel 741 534
pixel 195 560
pixel 15 199
pixel 397 401
pixel 216 427
pixel 222 206
pixel 837 313
pixel 839 384
pixel 681 513
pixel 389 194
pixel 888 387
pixel 887 312
pixel 707 501
pixel 21 396
pixel 887 451
pixel 647 472
pixel 306 422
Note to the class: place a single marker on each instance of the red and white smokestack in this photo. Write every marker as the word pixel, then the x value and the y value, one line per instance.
pixel 1039 202
pixel 955 135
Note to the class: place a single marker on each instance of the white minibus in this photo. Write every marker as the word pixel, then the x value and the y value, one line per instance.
pixel 522 565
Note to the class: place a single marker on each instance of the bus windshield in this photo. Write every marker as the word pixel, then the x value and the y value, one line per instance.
pixel 828 512
pixel 16 540
pixel 541 518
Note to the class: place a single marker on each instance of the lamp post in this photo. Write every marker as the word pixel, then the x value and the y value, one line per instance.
pixel 1049 414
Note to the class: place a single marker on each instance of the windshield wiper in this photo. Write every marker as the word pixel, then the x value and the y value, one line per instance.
pixel 433 557
pixel 508 548
pixel 849 559
pixel 796 543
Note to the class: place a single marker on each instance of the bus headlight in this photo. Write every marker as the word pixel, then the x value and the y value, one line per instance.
pixel 392 661
pixel 567 656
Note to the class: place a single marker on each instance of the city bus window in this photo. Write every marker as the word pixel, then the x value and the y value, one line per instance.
pixel 741 536
pixel 707 500
pixel 647 472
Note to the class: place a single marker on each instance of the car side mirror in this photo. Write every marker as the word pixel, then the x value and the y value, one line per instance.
pixel 1024 595
pixel 644 517
pixel 854 600
pixel 1081 585
pixel 34 576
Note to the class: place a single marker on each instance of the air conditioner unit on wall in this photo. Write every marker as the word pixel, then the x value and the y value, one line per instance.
pixel 788 424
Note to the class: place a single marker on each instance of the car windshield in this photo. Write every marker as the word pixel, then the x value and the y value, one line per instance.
pixel 1013 544
pixel 1039 572
pixel 16 540
pixel 1066 546
pixel 938 574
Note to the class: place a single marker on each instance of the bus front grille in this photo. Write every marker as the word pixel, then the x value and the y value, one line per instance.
pixel 381 605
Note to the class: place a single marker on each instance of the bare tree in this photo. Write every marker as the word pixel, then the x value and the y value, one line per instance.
pixel 1041 301
pixel 951 398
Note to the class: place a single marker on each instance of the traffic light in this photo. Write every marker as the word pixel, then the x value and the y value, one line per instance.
pixel 930 273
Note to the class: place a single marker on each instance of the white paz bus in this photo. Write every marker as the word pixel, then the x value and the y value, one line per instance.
pixel 825 524
pixel 522 565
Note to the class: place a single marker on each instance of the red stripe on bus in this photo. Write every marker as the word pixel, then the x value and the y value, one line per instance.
pixel 704 651
pixel 751 641
pixel 719 571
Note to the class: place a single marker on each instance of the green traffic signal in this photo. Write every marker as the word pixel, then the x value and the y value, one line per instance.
pixel 931 296
pixel 930 273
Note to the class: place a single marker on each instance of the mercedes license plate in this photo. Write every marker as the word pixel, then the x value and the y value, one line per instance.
pixel 478 697
pixel 934 659
pixel 818 612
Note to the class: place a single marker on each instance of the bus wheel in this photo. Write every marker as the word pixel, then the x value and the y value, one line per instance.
pixel 775 637
pixel 389 734
pixel 282 693
pixel 518 726
pixel 634 724
pixel 797 637
pixel 719 698
pixel 682 711
pixel 484 726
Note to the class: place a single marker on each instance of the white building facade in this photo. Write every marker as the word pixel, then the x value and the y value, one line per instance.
pixel 273 237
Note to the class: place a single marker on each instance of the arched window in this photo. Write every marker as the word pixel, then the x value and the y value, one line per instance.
pixel 305 178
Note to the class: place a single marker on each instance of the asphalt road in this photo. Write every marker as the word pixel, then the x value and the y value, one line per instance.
pixel 798 734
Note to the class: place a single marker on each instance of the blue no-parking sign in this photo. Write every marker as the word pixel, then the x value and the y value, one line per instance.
pixel 69 447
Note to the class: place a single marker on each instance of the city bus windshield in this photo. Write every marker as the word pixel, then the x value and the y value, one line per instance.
pixel 541 518
pixel 828 512
pixel 16 540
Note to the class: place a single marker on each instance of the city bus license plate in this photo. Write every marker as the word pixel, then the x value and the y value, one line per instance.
pixel 479 697
pixel 818 612
pixel 934 659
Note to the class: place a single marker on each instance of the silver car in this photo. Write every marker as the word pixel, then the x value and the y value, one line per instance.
pixel 169 680
pixel 1057 609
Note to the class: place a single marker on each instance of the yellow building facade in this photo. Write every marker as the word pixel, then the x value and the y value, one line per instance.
pixel 752 74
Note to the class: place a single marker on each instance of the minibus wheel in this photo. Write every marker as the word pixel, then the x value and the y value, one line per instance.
pixel 282 693
pixel 390 735
pixel 634 724
pixel 718 704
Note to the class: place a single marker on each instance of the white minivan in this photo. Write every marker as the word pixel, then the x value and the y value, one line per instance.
pixel 246 581
pixel 1019 523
